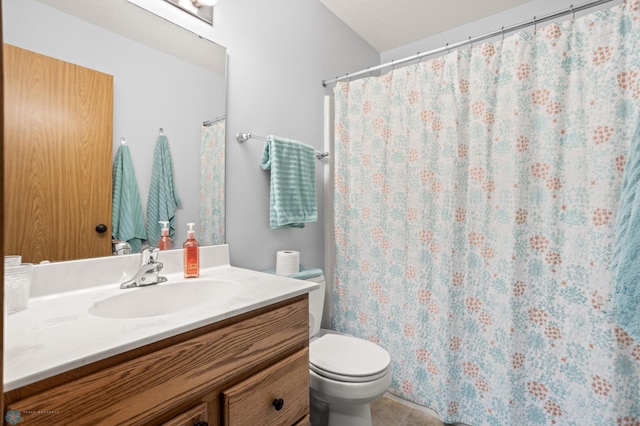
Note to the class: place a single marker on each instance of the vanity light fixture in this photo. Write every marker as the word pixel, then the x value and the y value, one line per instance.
pixel 201 3
pixel 202 9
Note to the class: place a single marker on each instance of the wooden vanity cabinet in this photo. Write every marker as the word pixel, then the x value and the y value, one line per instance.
pixel 252 369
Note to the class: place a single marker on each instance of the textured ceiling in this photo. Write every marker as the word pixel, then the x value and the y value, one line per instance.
pixel 387 24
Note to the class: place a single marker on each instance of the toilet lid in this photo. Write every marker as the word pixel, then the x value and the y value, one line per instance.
pixel 348 358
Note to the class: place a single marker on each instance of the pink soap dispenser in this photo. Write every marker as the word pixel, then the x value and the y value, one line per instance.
pixel 191 254
pixel 165 242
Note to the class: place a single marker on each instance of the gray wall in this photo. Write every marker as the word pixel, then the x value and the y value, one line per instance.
pixel 151 90
pixel 279 51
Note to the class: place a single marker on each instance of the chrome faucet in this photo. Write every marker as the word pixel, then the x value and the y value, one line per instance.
pixel 148 272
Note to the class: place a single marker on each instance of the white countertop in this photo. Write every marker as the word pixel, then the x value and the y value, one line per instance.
pixel 57 333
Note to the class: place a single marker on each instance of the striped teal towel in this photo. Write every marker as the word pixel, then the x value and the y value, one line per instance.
pixel 163 197
pixel 626 256
pixel 127 219
pixel 293 185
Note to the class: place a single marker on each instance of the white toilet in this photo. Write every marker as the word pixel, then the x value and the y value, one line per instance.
pixel 346 373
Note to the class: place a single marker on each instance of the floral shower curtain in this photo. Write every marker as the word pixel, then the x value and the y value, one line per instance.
pixel 475 199
pixel 212 173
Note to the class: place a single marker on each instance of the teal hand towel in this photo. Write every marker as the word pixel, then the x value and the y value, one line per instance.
pixel 293 186
pixel 163 197
pixel 304 274
pixel 626 256
pixel 127 219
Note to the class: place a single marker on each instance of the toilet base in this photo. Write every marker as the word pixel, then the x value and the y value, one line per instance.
pixel 323 414
pixel 350 415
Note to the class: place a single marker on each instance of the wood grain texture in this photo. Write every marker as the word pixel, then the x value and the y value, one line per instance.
pixel 143 388
pixel 305 421
pixel 250 402
pixel 1 211
pixel 58 151
pixel 198 413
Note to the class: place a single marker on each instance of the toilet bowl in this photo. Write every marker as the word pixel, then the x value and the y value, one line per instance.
pixel 346 373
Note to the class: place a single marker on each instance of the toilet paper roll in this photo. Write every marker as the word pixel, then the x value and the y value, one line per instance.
pixel 287 262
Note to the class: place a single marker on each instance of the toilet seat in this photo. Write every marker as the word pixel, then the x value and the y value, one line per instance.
pixel 347 358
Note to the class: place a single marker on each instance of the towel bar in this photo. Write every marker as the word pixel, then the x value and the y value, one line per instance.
pixel 243 137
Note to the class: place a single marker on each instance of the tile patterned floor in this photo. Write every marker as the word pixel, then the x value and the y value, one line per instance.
pixel 388 412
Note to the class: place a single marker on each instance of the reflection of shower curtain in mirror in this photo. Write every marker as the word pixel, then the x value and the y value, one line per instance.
pixel 475 205
pixel 212 184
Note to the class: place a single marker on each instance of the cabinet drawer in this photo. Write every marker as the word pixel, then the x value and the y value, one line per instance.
pixel 194 416
pixel 277 395
pixel 306 421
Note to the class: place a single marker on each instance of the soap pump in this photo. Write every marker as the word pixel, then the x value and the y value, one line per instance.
pixel 191 254
pixel 165 242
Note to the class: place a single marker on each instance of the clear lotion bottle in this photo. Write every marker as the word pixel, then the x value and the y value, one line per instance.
pixel 191 254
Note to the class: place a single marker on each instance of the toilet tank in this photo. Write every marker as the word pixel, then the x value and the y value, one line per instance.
pixel 316 305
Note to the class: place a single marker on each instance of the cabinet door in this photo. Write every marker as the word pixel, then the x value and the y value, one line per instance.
pixel 278 395
pixel 198 415
pixel 58 156
pixel 306 421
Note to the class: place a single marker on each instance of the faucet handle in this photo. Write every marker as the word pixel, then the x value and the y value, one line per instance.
pixel 149 255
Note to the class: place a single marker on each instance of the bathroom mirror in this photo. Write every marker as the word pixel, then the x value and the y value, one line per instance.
pixel 165 78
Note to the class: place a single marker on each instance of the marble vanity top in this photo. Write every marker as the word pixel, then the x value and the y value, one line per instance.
pixel 57 333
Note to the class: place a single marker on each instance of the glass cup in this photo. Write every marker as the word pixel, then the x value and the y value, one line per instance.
pixel 12 260
pixel 17 285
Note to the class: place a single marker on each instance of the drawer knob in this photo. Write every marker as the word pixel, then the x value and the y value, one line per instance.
pixel 278 403
pixel 201 424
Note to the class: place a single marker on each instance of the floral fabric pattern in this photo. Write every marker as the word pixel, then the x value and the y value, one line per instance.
pixel 475 200
pixel 212 173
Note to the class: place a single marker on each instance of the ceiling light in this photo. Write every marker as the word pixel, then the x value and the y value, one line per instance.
pixel 200 3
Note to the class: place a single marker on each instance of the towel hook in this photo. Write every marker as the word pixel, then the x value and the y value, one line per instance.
pixel 161 132
pixel 123 141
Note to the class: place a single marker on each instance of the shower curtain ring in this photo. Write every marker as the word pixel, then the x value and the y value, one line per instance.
pixel 573 14
pixel 535 26
pixel 503 33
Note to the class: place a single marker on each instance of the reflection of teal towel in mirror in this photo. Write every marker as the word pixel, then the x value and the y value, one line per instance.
pixel 293 185
pixel 163 197
pixel 127 219
pixel 626 256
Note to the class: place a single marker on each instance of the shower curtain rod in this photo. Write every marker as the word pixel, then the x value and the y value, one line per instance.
pixel 243 137
pixel 210 122
pixel 470 40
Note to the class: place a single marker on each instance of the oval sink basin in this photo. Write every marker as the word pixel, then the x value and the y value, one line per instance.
pixel 164 299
